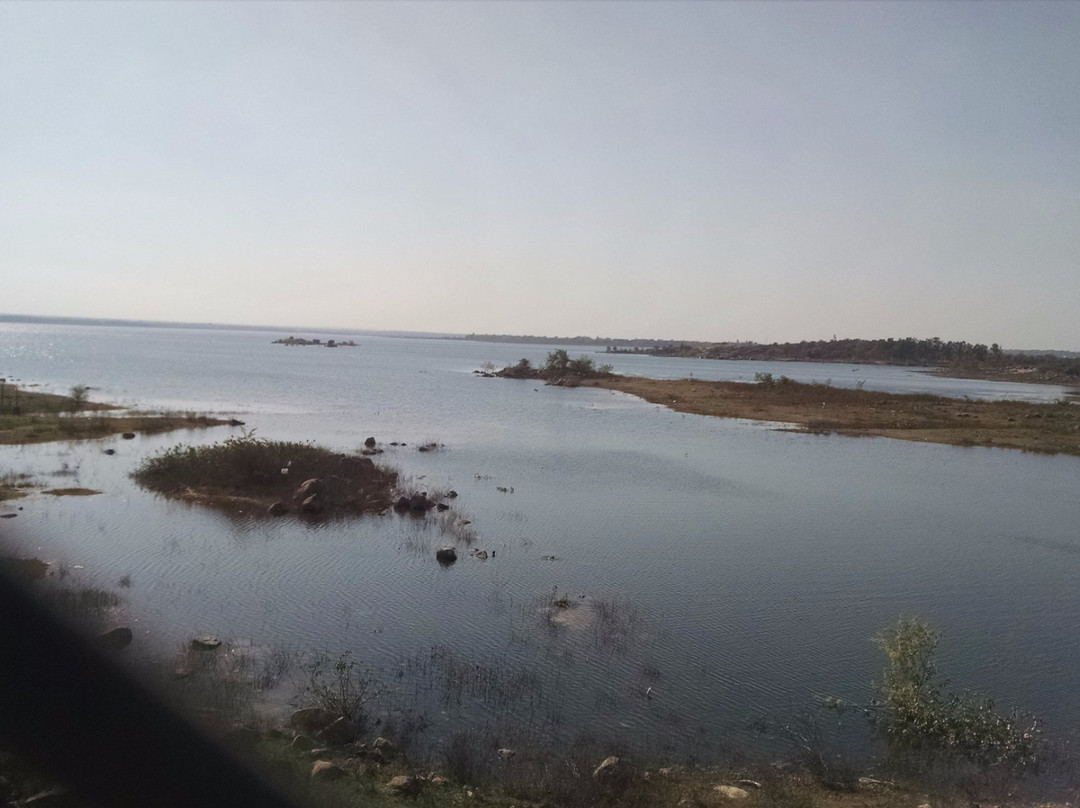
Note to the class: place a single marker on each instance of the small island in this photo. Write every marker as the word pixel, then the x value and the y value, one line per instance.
pixel 247 474
pixel 330 343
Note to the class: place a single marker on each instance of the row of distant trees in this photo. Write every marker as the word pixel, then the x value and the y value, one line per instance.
pixel 932 352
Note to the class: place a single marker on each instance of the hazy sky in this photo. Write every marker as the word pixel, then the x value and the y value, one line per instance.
pixel 715 171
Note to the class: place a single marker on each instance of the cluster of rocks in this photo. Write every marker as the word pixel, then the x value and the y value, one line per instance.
pixel 420 503
pixel 354 484
pixel 333 741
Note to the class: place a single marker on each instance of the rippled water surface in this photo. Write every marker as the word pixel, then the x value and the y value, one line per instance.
pixel 734 569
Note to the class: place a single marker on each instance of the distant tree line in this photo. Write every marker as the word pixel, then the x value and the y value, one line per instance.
pixel 934 352
pixel 611 342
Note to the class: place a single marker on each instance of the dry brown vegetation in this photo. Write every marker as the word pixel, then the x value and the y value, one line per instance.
pixel 819 408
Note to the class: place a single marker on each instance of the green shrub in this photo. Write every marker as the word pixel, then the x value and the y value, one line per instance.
pixel 78 395
pixel 916 716
pixel 557 363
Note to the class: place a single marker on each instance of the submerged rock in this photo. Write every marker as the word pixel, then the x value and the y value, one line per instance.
pixel 446 555
pixel 205 642
pixel 115 639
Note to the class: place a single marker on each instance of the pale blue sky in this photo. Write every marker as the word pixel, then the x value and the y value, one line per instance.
pixel 715 171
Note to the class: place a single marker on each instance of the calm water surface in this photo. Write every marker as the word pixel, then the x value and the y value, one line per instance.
pixel 736 570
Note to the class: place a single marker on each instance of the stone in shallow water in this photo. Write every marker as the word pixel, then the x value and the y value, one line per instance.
pixel 116 639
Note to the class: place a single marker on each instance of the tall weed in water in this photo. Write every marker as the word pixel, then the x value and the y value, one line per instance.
pixel 342 686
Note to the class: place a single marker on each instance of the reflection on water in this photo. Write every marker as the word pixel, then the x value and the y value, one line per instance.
pixel 723 568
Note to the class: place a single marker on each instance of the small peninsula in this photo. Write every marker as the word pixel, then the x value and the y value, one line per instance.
pixel 823 409
pixel 954 359
pixel 29 416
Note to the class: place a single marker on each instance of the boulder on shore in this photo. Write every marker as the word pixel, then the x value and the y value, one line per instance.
pixel 312 487
pixel 312 719
pixel 339 732
pixel 385 746
pixel 405 784
pixel 327 770
pixel 607 767
pixel 732 792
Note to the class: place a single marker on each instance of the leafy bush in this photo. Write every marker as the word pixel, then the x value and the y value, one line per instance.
pixel 557 363
pixel 78 395
pixel 915 715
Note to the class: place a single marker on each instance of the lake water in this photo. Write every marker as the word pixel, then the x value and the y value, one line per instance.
pixel 736 570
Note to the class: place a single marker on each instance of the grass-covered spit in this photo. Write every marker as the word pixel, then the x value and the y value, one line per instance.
pixel 28 416
pixel 280 476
